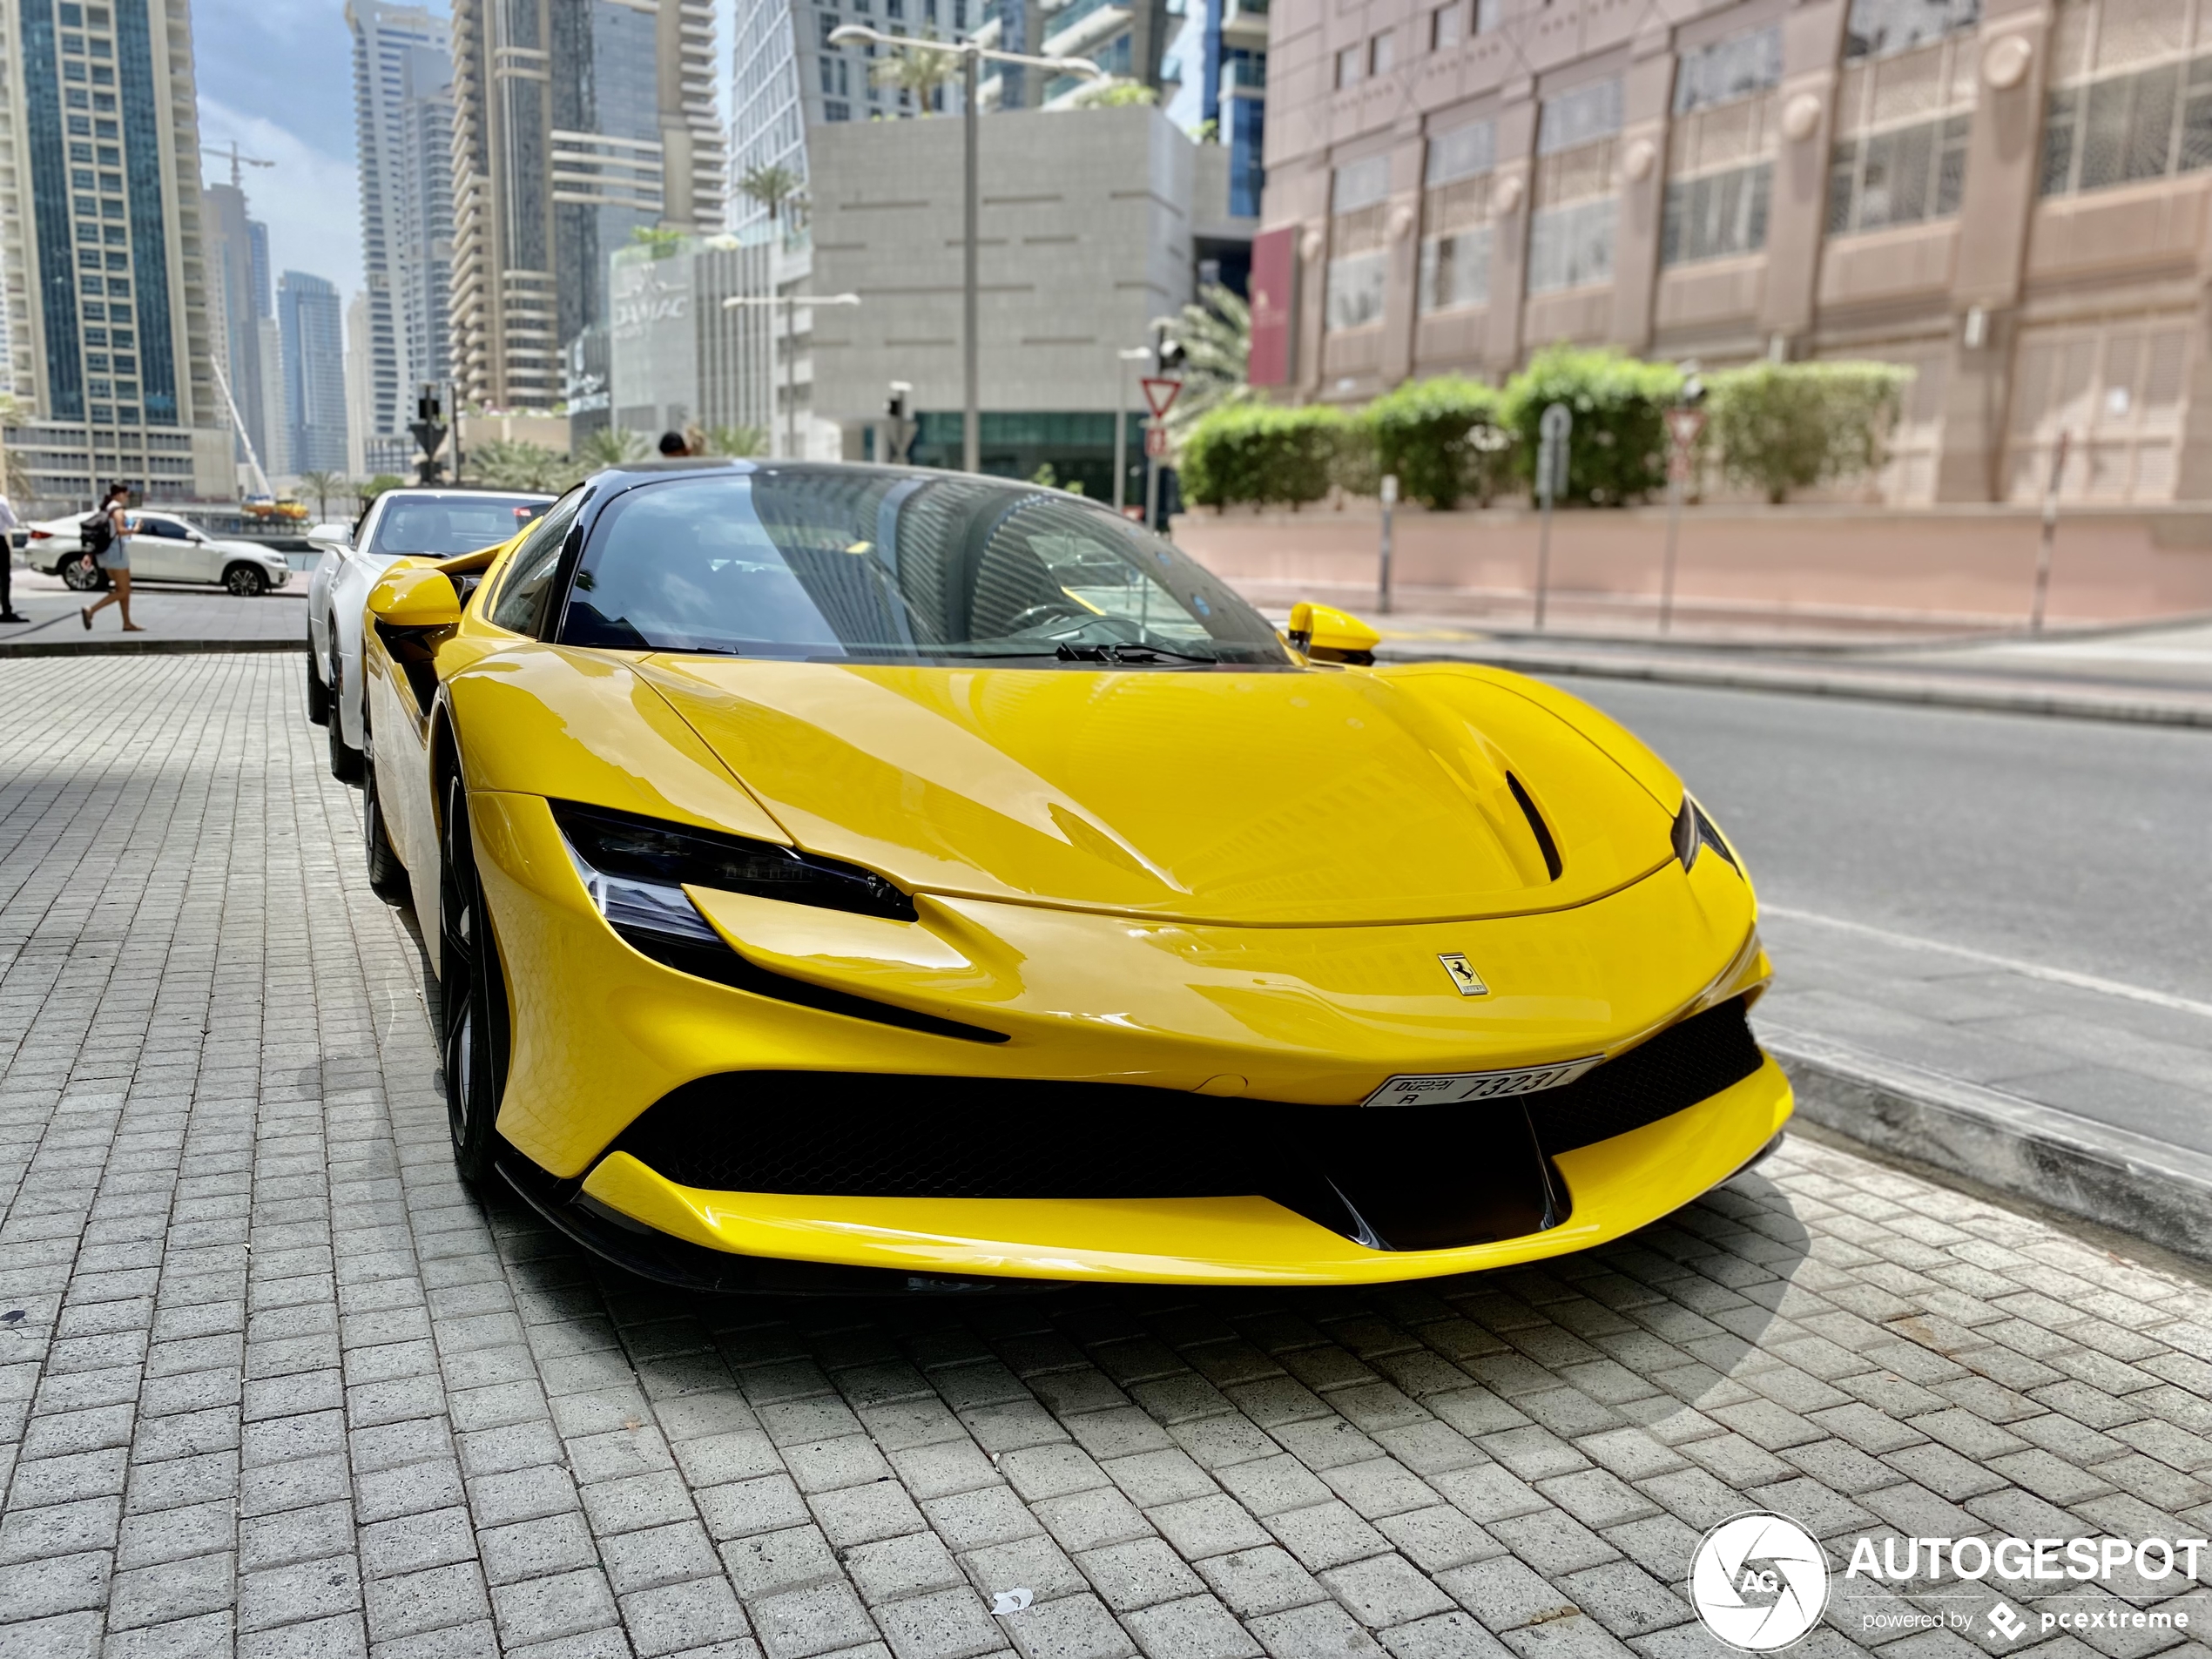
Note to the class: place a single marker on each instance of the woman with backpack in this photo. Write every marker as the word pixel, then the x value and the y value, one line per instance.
pixel 106 537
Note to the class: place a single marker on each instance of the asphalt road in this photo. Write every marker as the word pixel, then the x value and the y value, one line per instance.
pixel 2082 845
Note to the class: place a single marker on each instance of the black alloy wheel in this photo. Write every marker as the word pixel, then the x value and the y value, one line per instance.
pixel 317 693
pixel 345 760
pixel 246 581
pixel 472 993
pixel 81 573
pixel 386 875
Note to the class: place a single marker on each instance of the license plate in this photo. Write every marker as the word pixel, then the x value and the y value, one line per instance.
pixel 1456 1087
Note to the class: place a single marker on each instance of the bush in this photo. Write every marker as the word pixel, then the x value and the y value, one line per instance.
pixel 1618 449
pixel 1257 452
pixel 1421 433
pixel 1781 427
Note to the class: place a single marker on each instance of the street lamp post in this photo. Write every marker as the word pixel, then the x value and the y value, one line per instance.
pixel 971 56
pixel 1122 359
pixel 791 302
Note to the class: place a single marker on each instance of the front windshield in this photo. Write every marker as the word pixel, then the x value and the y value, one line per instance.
pixel 799 562
pixel 441 527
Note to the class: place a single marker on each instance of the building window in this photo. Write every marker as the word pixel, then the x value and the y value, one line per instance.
pixel 1716 217
pixel 1456 218
pixel 1382 52
pixel 1486 14
pixel 1571 247
pixel 1728 70
pixel 1884 28
pixel 1445 27
pixel 1347 67
pixel 1581 117
pixel 1358 254
pixel 2126 128
pixel 1901 176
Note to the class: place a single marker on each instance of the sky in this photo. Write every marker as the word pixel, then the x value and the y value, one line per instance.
pixel 277 76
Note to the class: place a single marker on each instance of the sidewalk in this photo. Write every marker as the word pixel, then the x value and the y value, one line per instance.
pixel 176 617
pixel 2162 675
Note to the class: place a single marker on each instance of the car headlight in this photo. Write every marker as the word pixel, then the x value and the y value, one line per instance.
pixel 635 870
pixel 1694 831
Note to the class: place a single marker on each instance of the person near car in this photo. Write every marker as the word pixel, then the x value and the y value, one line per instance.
pixel 673 445
pixel 9 523
pixel 112 552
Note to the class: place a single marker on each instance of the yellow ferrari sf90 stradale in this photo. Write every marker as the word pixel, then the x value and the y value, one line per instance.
pixel 839 869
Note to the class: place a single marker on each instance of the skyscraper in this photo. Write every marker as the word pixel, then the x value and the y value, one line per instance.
pixel 238 300
pixel 105 285
pixel 403 109
pixel 575 123
pixel 315 374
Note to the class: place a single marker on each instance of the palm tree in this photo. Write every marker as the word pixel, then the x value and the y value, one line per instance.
pixel 917 70
pixel 14 475
pixel 736 441
pixel 322 486
pixel 1216 334
pixel 1116 92
pixel 500 464
pixel 776 187
pixel 610 447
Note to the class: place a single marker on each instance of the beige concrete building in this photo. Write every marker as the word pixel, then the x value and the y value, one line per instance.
pixel 2013 198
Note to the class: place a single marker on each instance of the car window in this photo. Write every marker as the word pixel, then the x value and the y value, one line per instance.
pixel 160 527
pixel 441 527
pixel 531 568
pixel 794 561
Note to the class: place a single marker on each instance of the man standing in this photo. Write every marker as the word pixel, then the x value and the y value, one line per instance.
pixel 9 523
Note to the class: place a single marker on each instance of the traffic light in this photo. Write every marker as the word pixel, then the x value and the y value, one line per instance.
pixel 1167 351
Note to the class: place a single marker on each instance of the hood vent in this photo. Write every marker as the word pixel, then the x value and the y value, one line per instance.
pixel 1537 827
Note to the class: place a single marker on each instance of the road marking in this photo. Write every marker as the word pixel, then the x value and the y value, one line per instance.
pixel 2010 964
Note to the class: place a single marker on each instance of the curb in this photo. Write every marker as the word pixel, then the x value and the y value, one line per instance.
pixel 122 646
pixel 2118 1179
pixel 2136 711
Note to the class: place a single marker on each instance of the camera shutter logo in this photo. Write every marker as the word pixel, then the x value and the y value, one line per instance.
pixel 1759 1581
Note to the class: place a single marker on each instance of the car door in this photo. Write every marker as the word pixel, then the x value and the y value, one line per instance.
pixel 199 558
pixel 157 548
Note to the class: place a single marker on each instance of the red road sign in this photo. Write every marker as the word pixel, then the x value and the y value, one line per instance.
pixel 1160 394
pixel 1156 442
pixel 1684 425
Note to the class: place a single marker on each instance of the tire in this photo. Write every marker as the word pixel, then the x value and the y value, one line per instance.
pixel 472 994
pixel 345 760
pixel 81 573
pixel 386 875
pixel 317 693
pixel 245 581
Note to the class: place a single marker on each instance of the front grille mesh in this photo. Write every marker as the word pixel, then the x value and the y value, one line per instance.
pixel 869 1136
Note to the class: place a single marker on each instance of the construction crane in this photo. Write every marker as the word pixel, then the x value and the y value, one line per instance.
pixel 240 163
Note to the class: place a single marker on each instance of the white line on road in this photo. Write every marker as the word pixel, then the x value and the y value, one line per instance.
pixel 2010 964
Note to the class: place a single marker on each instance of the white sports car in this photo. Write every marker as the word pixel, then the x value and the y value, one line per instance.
pixel 438 524
pixel 165 547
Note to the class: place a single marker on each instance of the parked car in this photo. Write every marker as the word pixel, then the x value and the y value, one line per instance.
pixel 165 547
pixel 834 868
pixel 433 524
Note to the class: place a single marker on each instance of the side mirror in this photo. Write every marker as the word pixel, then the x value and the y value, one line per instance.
pixel 1330 635
pixel 416 598
pixel 326 538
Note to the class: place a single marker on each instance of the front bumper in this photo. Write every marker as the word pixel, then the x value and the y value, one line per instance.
pixel 1312 1018
pixel 1615 1186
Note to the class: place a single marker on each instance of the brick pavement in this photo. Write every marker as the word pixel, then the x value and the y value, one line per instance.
pixel 272 1383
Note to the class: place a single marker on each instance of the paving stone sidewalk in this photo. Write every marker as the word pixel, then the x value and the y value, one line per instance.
pixel 271 1382
pixel 174 614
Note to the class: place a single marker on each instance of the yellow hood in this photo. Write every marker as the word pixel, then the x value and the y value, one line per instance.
pixel 1316 797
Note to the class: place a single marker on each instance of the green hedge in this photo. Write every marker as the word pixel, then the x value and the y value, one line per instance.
pixel 1617 451
pixel 1780 427
pixel 1257 452
pixel 1421 433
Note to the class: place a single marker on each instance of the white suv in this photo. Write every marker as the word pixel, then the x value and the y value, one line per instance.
pixel 436 523
pixel 165 547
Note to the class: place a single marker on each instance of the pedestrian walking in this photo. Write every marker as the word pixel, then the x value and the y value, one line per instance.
pixel 8 524
pixel 107 536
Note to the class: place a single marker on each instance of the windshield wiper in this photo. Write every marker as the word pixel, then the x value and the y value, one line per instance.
pixel 1129 652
